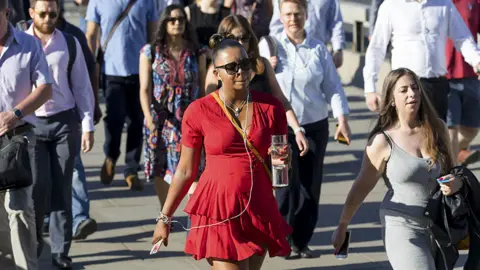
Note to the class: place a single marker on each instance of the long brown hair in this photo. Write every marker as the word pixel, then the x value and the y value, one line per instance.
pixel 238 21
pixel 432 126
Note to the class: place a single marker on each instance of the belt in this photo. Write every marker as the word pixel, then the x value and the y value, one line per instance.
pixel 19 130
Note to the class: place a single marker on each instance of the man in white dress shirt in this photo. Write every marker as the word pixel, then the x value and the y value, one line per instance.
pixel 418 32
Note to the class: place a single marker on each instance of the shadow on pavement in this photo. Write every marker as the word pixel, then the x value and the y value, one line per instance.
pixel 123 256
pixel 105 194
pixel 348 170
pixel 357 79
pixel 371 265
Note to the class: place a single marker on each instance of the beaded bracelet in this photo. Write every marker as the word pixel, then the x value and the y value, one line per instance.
pixel 164 219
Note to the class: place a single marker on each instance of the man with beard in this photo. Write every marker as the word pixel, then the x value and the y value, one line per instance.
pixel 57 130
pixel 25 84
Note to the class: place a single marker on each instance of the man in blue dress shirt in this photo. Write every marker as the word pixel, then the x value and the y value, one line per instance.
pixel 120 67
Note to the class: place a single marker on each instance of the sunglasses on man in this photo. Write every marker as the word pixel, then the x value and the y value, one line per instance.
pixel 43 14
pixel 232 68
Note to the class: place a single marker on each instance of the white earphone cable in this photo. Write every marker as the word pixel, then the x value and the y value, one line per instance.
pixel 251 172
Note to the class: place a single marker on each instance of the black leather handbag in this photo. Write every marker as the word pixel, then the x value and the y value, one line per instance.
pixel 15 169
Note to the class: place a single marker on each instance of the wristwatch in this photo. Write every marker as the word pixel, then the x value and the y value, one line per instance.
pixel 18 113
pixel 298 130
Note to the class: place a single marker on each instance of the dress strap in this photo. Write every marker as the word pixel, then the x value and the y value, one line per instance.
pixel 389 139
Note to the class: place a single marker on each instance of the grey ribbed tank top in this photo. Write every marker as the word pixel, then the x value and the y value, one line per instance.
pixel 410 181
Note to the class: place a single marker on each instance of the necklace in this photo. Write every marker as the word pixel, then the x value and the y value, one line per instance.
pixel 237 110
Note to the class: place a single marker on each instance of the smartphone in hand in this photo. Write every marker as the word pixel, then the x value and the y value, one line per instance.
pixel 341 139
pixel 442 180
pixel 343 251
pixel 156 247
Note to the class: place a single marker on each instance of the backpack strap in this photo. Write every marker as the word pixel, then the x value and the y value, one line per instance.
pixel 22 25
pixel 272 44
pixel 72 55
pixel 389 139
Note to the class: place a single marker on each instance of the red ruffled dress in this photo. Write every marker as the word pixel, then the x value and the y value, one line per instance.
pixel 224 187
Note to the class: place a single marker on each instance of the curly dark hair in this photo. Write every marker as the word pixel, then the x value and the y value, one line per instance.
pixel 161 34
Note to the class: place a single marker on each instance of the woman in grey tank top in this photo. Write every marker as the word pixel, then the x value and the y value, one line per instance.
pixel 409 149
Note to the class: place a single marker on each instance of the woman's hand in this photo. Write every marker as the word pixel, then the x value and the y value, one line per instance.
pixel 286 151
pixel 162 231
pixel 451 187
pixel 151 125
pixel 302 143
pixel 338 237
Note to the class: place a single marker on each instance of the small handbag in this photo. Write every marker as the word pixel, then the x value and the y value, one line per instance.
pixel 15 169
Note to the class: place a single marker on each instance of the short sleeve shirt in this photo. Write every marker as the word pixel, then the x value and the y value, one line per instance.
pixel 122 56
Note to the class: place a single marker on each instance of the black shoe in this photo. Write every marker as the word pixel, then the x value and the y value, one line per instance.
pixel 46 229
pixel 85 228
pixel 293 255
pixel 61 261
pixel 306 253
pixel 40 244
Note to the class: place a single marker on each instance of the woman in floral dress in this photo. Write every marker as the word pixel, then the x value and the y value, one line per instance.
pixel 172 72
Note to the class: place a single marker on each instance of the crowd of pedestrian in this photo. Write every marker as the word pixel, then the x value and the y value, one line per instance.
pixel 201 87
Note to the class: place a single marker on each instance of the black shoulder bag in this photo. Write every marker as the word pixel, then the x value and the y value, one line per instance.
pixel 15 169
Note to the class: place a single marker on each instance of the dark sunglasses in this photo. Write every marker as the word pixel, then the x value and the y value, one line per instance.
pixel 175 19
pixel 44 14
pixel 242 39
pixel 232 68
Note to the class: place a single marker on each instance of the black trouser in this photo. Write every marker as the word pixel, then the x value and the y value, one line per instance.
pixel 437 90
pixel 298 202
pixel 122 97
pixel 52 170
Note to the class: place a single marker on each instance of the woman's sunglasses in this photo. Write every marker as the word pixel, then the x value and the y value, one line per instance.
pixel 242 39
pixel 43 14
pixel 175 19
pixel 232 68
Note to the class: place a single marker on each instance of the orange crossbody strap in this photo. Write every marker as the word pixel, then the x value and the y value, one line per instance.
pixel 249 144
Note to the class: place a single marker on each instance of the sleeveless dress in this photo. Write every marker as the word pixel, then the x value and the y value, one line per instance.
pixel 405 228
pixel 174 88
pixel 224 187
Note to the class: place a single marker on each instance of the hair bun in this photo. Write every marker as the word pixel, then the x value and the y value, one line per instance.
pixel 216 39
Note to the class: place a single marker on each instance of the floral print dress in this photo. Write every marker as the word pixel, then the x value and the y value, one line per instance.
pixel 175 86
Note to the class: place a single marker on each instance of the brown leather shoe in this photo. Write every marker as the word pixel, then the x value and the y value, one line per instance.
pixel 134 183
pixel 108 171
pixel 467 157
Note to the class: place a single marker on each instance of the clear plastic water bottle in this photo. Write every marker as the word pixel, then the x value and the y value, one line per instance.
pixel 279 152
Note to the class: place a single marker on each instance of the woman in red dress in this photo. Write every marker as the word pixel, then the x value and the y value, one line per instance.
pixel 235 217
